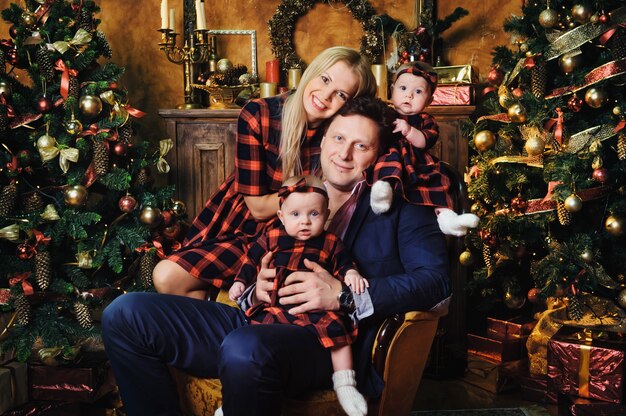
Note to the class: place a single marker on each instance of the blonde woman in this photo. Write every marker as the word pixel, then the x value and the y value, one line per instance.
pixel 276 138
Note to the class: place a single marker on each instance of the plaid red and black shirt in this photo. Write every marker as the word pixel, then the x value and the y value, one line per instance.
pixel 333 329
pixel 220 235
pixel 414 172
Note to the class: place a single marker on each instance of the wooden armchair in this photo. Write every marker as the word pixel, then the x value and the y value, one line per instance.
pixel 400 354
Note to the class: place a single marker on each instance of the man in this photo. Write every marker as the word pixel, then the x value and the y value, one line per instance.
pixel 401 253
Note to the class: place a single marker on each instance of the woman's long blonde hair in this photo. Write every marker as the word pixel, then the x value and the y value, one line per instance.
pixel 294 117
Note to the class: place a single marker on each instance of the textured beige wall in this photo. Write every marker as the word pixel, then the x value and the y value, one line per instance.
pixel 155 83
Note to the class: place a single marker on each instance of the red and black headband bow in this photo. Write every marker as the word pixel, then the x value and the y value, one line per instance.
pixel 417 69
pixel 300 186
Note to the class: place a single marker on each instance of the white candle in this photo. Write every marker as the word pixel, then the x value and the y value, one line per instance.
pixel 164 14
pixel 200 19
pixel 172 20
pixel 203 15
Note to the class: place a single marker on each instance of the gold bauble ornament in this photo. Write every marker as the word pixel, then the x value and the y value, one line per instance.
pixel 466 258
pixel 5 89
pixel 587 255
pixel 179 208
pixel 617 110
pixel 535 146
pixel 570 61
pixel 150 216
pixel 573 203
pixel 523 47
pixel 513 301
pixel 594 18
pixel 484 140
pixel 596 97
pixel 75 195
pixel 29 19
pixel 621 298
pixel 224 65
pixel 548 18
pixel 73 127
pixel 581 13
pixel 90 105
pixel 613 226
pixel 477 209
pixel 46 141
pixel 517 113
pixel 506 100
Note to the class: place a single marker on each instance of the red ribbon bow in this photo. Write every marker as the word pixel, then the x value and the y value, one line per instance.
pixel 65 78
pixel 134 112
pixel 14 165
pixel 620 126
pixel 40 238
pixel 27 288
pixel 10 111
pixel 557 123
pixel 299 186
pixel 94 130
pixel 609 33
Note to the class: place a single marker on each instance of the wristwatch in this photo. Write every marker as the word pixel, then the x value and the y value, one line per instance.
pixel 346 299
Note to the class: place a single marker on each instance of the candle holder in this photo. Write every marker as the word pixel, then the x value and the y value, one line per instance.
pixel 195 50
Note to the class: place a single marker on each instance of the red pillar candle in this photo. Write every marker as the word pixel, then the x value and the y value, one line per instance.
pixel 272 69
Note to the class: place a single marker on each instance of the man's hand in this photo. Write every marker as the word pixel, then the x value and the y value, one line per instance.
pixel 311 291
pixel 265 280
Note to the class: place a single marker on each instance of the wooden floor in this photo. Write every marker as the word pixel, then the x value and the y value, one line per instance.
pixel 454 393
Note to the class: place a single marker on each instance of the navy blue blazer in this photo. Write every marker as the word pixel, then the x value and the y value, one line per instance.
pixel 403 255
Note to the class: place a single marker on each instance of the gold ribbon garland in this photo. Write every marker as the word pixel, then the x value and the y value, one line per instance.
pixel 165 146
pixel 11 233
pixel 533 161
pixel 82 37
pixel 579 140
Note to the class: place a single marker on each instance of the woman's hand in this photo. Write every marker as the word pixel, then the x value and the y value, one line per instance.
pixel 265 280
pixel 311 291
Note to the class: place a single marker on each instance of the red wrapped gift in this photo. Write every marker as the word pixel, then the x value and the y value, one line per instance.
pixel 535 389
pixel 587 364
pixel 493 376
pixel 459 94
pixel 509 328
pixel 499 350
pixel 578 406
pixel 71 384
pixel 13 385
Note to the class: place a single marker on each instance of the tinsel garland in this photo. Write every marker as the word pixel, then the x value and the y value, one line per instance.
pixel 282 25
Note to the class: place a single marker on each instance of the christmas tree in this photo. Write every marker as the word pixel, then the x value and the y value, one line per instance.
pixel 548 170
pixel 78 208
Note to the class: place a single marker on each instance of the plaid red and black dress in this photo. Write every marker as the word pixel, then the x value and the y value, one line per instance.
pixel 420 173
pixel 333 329
pixel 220 235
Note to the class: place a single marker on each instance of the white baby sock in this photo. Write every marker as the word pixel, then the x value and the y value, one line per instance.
pixel 352 402
pixel 381 197
pixel 452 223
pixel 218 412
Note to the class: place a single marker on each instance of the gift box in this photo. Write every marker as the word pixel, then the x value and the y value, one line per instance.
pixel 512 328
pixel 535 389
pixel 456 74
pixel 457 94
pixel 493 376
pixel 499 350
pixel 71 384
pixel 587 364
pixel 47 409
pixel 13 385
pixel 578 406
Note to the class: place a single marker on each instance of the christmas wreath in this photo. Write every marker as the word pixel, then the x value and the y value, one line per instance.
pixel 282 24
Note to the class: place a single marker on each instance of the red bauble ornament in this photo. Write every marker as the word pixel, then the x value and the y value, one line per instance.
pixel 534 295
pixel 575 103
pixel 422 57
pixel 519 204
pixel 604 18
pixel 489 238
pixel 517 92
pixel 120 148
pixel 127 203
pixel 25 251
pixel 113 85
pixel 13 31
pixel 44 105
pixel 173 231
pixel 600 175
pixel 495 76
pixel 12 57
pixel 168 217
pixel 405 54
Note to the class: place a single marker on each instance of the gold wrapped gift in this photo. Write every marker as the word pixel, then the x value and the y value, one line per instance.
pixel 457 74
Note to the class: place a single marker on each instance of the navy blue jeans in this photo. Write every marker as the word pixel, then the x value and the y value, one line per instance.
pixel 258 365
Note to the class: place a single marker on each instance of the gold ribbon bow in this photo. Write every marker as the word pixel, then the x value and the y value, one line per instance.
pixel 82 37
pixel 85 260
pixel 50 213
pixel 10 232
pixel 165 146
pixel 67 155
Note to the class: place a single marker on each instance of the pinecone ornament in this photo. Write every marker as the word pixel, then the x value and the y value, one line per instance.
pixel 32 202
pixel 575 309
pixel 3 61
pixel 142 178
pixel 74 88
pixel 100 158
pixel 124 133
pixel 22 310
pixel 83 316
pixel 43 269
pixel 85 20
pixel 488 257
pixel 146 265
pixel 621 146
pixel 104 44
pixel 8 199
pixel 45 64
pixel 564 216
pixel 617 44
pixel 539 79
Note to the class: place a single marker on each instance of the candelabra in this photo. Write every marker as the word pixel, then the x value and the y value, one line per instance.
pixel 194 51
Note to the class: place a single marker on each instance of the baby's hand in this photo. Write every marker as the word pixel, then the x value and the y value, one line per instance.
pixel 356 282
pixel 236 290
pixel 401 126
